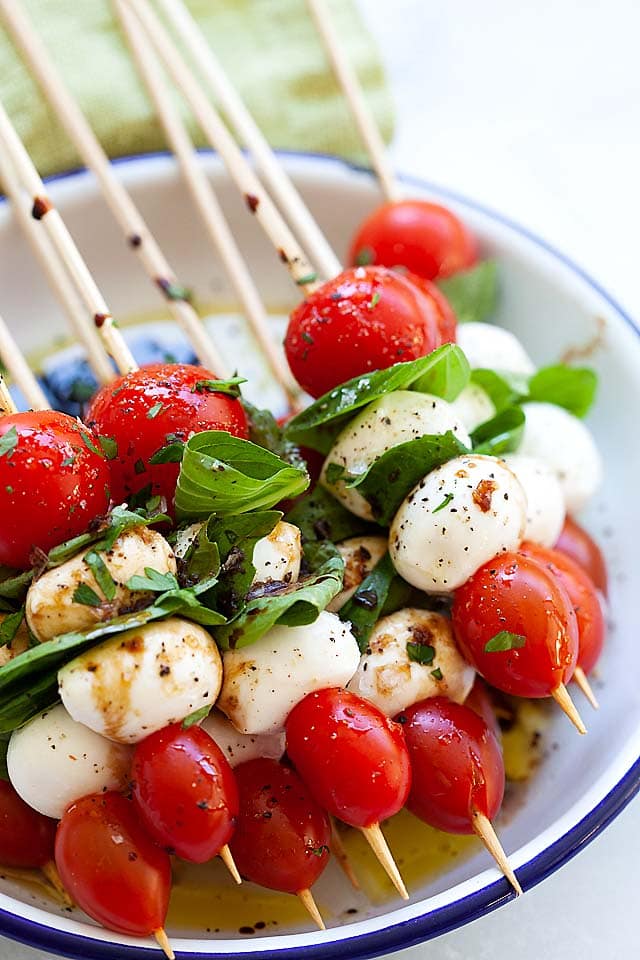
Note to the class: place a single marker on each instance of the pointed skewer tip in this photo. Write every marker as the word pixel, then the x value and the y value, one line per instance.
pixel 306 899
pixel 163 943
pixel 580 678
pixel 484 829
pixel 375 838
pixel 566 704
pixel 341 855
pixel 227 859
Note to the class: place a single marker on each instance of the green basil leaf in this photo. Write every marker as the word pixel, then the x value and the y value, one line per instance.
pixel 119 520
pixel 14 586
pixel 501 434
pixel 10 626
pixel 504 388
pixel 230 387
pixel 202 560
pixel 85 595
pixel 28 702
pixel 153 581
pixel 223 474
pixel 197 715
pixel 320 516
pixel 172 452
pixel 364 609
pixel 8 442
pixel 420 652
pixel 505 640
pixel 472 294
pixel 185 603
pixel 390 478
pixel 266 432
pixel 101 573
pixel 4 746
pixel 109 447
pixel 236 537
pixel 446 379
pixel 573 388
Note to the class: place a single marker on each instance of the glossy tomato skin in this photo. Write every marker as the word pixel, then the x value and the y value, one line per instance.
pixel 352 757
pixel 583 596
pixel 282 840
pixel 366 318
pixel 110 867
pixel 576 543
pixel 185 792
pixel 26 837
pixel 516 594
pixel 424 237
pixel 446 318
pixel 148 409
pixel 479 700
pixel 456 764
pixel 53 483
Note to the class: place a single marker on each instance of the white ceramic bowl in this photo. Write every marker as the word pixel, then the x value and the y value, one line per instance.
pixel 552 306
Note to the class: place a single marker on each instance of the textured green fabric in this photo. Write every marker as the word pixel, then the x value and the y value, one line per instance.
pixel 269 47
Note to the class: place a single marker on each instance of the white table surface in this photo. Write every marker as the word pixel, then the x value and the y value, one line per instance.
pixel 533 109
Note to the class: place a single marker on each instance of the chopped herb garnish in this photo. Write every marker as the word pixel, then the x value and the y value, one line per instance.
pixel 308 278
pixel 196 716
pixel 68 462
pixel 307 337
pixel 320 851
pixel 420 652
pixel 100 571
pixel 109 447
pixel 172 452
pixel 86 596
pixel 153 581
pixel 505 640
pixel 375 300
pixel 9 489
pixel 231 386
pixel 139 467
pixel 364 257
pixel 154 411
pixel 89 444
pixel 334 472
pixel 437 673
pixel 8 442
pixel 10 626
pixel 448 497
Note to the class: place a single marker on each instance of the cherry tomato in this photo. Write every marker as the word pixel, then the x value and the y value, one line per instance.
pixel 26 837
pixel 147 411
pixel 583 596
pixel 479 700
pixel 515 603
pixel 456 764
pixel 424 237
pixel 364 319
pixel 446 318
pixel 185 792
pixel 54 480
pixel 282 839
pixel 110 867
pixel 577 544
pixel 352 757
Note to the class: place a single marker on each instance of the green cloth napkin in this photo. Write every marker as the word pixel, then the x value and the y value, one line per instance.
pixel 269 47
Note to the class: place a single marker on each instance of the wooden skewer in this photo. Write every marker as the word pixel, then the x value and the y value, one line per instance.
pixel 580 678
pixel 306 899
pixel 205 200
pixel 375 838
pixel 83 327
pixel 164 944
pixel 124 210
pixel 248 132
pixel 256 197
pixel 341 855
pixel 362 115
pixel 484 829
pixel 6 400
pixel 229 862
pixel 19 369
pixel 566 704
pixel 51 873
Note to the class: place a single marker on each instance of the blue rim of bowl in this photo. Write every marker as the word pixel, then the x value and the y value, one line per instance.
pixel 405 933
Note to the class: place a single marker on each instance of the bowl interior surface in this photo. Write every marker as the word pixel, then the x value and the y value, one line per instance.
pixel 548 304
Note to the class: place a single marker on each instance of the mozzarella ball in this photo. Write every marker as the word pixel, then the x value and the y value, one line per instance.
pixel 185 539
pixel 360 555
pixel 388 677
pixel 240 747
pixel 564 443
pixel 487 346
pixel 18 644
pixel 385 423
pixel 143 679
pixel 278 556
pixel 53 761
pixel 473 406
pixel 50 607
pixel 264 681
pixel 456 519
pixel 545 499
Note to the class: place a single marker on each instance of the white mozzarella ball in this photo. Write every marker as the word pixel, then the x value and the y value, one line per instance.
pixel 360 555
pixel 385 423
pixel 264 681
pixel 473 406
pixel 278 555
pixel 240 747
pixel 50 607
pixel 53 761
pixel 565 444
pixel 142 680
pixel 456 519
pixel 545 499
pixel 185 539
pixel 488 346
pixel 388 677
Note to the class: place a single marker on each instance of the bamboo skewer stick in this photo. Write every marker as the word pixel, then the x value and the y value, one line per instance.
pixel 122 207
pixel 306 899
pixel 376 840
pixel 256 197
pixel 581 681
pixel 227 858
pixel 339 851
pixel 362 115
pixel 205 199
pixel 82 326
pixel 163 942
pixel 19 369
pixel 566 704
pixel 6 400
pixel 484 829
pixel 248 132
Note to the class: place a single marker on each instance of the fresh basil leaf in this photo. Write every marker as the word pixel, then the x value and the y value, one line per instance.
pixel 86 596
pixel 185 603
pixel 202 560
pixel 472 294
pixel 573 388
pixel 153 411
pixel 504 388
pixel 153 581
pixel 109 447
pixel 501 434
pixel 172 452
pixel 197 716
pixel 420 652
pixel 14 586
pixel 4 746
pixel 10 626
pixel 236 537
pixel 390 478
pixel 89 444
pixel 364 609
pixel 223 474
pixel 319 516
pixel 318 425
pixel 102 539
pixel 266 432
pixel 446 379
pixel 101 573
pixel 230 387
pixel 8 442
pixel 28 702
pixel 505 640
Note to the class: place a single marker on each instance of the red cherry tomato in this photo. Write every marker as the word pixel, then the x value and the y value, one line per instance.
pixel 424 237
pixel 352 757
pixel 185 792
pixel 515 595
pixel 456 764
pixel 110 867
pixel 446 318
pixel 54 480
pixel 364 319
pixel 577 544
pixel 479 700
pixel 583 596
pixel 26 837
pixel 149 409
pixel 282 839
